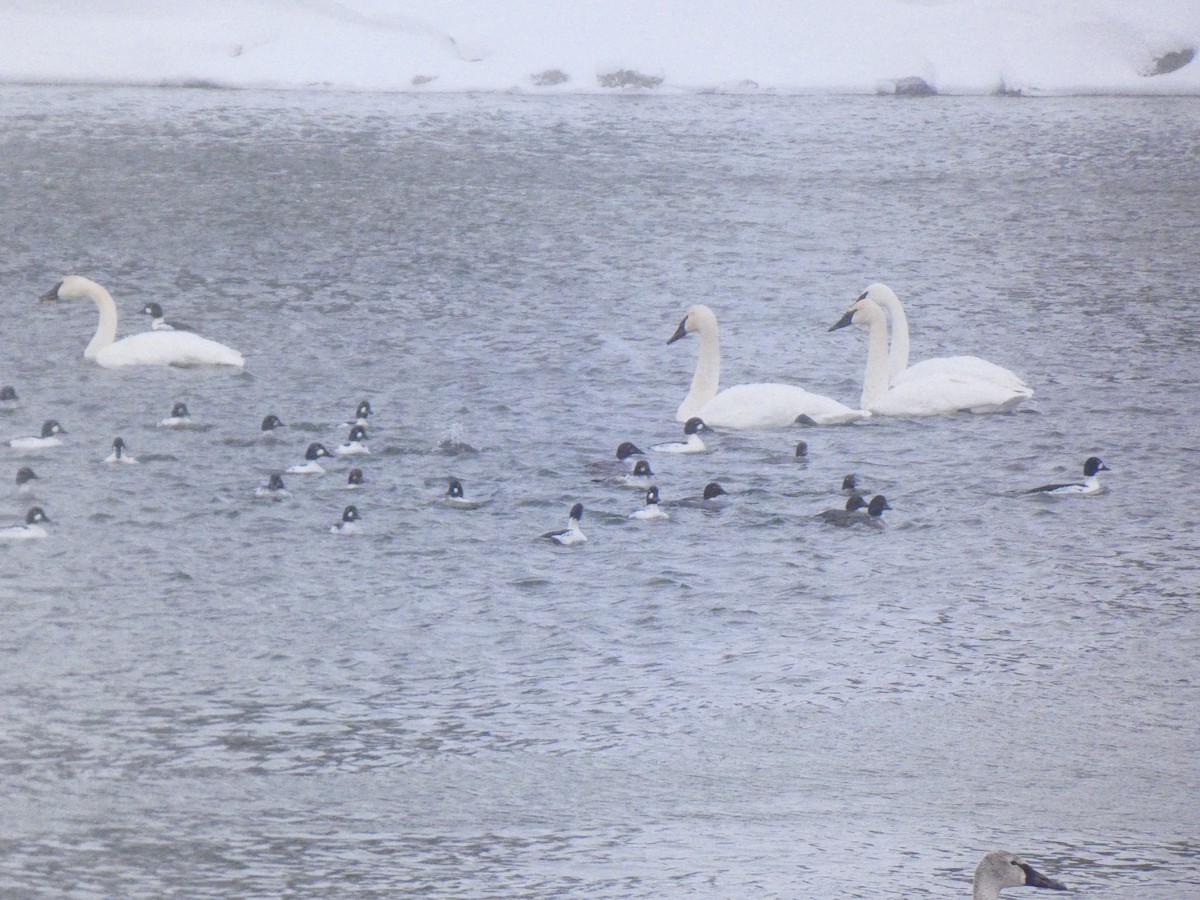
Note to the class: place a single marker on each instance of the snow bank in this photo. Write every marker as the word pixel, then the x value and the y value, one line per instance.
pixel 955 46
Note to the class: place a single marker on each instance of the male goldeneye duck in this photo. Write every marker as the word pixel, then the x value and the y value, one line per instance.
pixel 713 496
pixel 872 518
pixel 271 422
pixel 24 476
pixel 354 480
pixel 310 466
pixel 840 516
pixel 362 413
pixel 349 522
pixel 641 474
pixel 691 428
pixel 179 417
pixel 30 528
pixel 48 438
pixel 273 489
pixel 356 445
pixel 158 323
pixel 1090 484
pixel 571 534
pixel 455 497
pixel 651 510
pixel 120 453
pixel 8 397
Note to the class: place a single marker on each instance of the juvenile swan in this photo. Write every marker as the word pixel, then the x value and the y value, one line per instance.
pixel 920 396
pixel 1001 869
pixel 965 366
pixel 760 405
pixel 149 348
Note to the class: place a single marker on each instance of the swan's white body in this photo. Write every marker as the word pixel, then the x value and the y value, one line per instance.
pixel 149 348
pixel 899 371
pixel 1000 869
pixel 925 396
pixel 746 406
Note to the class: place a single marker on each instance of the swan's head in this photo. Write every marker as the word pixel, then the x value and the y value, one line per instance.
pixel 272 422
pixel 862 311
pixel 73 287
pixel 36 514
pixel 576 513
pixel 1000 869
pixel 694 425
pixel 350 514
pixel 455 490
pixel 642 469
pixel 881 294
pixel 626 449
pixel 153 310
pixel 698 318
pixel 651 495
pixel 315 451
pixel 713 490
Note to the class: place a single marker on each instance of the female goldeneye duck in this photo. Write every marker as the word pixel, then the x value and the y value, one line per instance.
pixel 158 323
pixel 274 488
pixel 641 474
pixel 30 528
pixel 356 445
pixel 841 516
pixel 349 522
pixel 24 476
pixel 120 453
pixel 710 498
pixel 872 518
pixel 362 413
pixel 455 496
pixel 48 438
pixel 625 450
pixel 8 397
pixel 310 466
pixel 801 450
pixel 271 422
pixel 691 428
pixel 651 510
pixel 850 484
pixel 179 417
pixel 354 480
pixel 571 534
pixel 1090 484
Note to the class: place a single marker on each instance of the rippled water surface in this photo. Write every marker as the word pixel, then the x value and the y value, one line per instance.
pixel 206 695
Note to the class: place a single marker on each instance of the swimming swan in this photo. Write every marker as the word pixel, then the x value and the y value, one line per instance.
pixel 920 396
pixel 149 348
pixel 746 405
pixel 1000 869
pixel 967 366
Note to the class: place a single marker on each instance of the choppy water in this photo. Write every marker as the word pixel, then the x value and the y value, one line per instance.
pixel 206 695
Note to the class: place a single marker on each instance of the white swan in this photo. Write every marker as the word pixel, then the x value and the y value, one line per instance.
pixel 926 396
pixel 966 366
pixel 746 405
pixel 149 348
pixel 1000 869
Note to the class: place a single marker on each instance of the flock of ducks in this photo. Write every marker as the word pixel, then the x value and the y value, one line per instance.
pixel 891 387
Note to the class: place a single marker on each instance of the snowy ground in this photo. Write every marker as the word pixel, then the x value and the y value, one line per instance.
pixel 957 46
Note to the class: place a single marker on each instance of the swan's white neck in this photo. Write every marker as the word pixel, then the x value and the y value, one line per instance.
pixel 887 299
pixel 106 330
pixel 707 377
pixel 877 377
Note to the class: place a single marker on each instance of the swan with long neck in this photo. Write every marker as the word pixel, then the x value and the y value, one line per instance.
pixel 900 371
pixel 921 396
pixel 149 348
pixel 745 406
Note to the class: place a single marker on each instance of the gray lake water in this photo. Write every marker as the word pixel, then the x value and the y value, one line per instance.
pixel 207 695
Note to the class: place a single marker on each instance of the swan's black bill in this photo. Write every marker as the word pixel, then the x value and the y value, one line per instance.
pixel 51 295
pixel 845 320
pixel 680 332
pixel 1034 878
